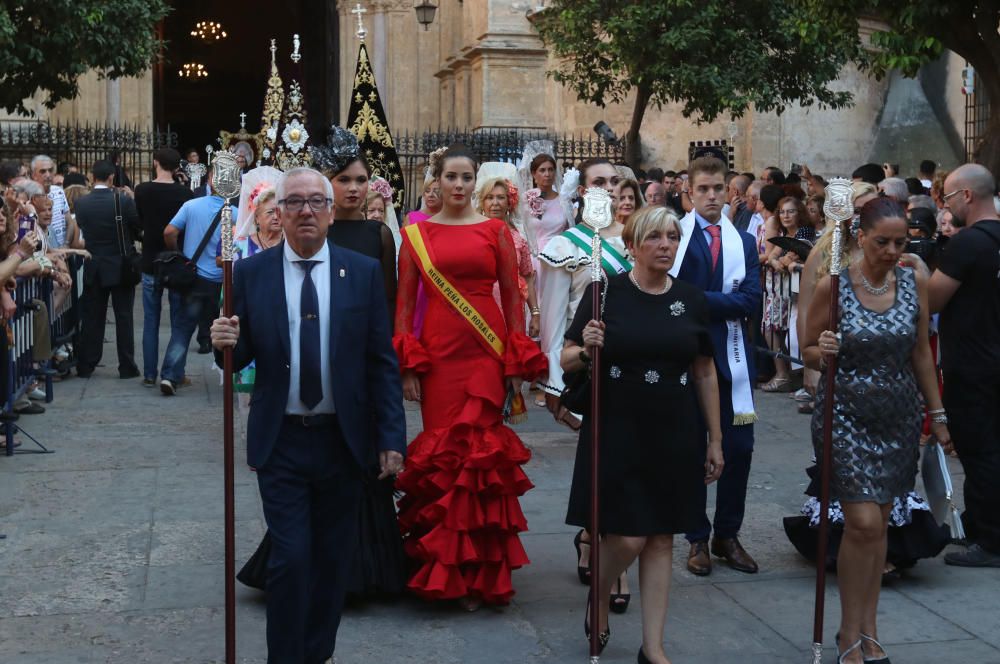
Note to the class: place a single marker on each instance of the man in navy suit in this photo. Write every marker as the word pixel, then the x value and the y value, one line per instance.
pixel 723 261
pixel 313 317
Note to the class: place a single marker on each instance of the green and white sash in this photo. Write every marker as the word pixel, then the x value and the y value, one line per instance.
pixel 614 261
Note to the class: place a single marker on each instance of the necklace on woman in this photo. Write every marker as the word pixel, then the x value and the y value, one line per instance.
pixel 874 290
pixel 666 285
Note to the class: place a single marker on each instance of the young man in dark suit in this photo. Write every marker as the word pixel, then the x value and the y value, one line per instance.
pixel 723 261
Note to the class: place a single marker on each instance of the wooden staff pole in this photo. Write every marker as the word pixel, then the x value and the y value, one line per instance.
pixel 838 208
pixel 597 214
pixel 226 183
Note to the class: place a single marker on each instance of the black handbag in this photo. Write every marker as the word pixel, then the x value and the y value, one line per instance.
pixel 131 268
pixel 177 272
pixel 575 396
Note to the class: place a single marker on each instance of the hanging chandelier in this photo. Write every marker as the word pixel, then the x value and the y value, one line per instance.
pixel 192 70
pixel 209 31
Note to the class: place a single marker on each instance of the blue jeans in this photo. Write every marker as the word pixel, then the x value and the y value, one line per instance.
pixel 152 302
pixel 188 307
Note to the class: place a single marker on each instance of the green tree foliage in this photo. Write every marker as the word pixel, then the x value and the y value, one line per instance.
pixel 46 45
pixel 714 57
pixel 913 33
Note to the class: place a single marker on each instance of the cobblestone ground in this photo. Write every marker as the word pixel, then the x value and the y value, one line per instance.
pixel 114 547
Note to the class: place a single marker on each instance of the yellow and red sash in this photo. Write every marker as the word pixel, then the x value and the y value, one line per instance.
pixel 483 332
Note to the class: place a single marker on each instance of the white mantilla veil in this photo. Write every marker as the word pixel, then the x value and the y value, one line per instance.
pixel 254 182
pixel 525 182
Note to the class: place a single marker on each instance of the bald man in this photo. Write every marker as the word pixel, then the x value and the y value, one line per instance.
pixel 966 290
pixel 739 211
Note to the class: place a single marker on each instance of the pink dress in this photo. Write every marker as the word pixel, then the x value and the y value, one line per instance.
pixel 524 268
pixel 552 222
pixel 415 217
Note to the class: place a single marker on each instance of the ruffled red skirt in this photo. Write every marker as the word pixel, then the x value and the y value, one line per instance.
pixel 460 516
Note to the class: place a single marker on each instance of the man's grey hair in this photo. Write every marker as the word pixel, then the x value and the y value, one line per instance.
pixel 40 157
pixel 299 172
pixel 753 189
pixel 896 189
pixel 30 187
pixel 923 201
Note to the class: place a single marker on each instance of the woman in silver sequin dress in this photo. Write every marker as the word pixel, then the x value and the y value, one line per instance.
pixel 884 365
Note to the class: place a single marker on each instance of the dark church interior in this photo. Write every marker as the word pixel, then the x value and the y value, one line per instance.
pixel 238 65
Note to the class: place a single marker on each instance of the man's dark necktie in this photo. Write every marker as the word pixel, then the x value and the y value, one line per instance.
pixel 310 368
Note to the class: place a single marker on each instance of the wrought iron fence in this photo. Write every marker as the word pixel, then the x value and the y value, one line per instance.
pixel 492 144
pixel 82 145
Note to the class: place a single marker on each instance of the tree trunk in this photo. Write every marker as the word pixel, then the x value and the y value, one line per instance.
pixel 633 140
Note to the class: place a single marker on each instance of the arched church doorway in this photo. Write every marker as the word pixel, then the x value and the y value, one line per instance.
pixel 236 67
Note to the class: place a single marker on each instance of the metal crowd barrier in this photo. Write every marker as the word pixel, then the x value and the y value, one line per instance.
pixel 18 340
pixel 779 305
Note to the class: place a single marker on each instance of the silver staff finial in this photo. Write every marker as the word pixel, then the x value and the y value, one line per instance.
pixel 838 207
pixel 295 49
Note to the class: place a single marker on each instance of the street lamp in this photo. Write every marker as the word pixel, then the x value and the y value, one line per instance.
pixel 425 13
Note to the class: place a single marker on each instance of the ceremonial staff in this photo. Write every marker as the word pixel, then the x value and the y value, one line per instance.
pixel 597 215
pixel 838 207
pixel 226 183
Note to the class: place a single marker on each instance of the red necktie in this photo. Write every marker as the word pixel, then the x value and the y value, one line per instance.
pixel 715 231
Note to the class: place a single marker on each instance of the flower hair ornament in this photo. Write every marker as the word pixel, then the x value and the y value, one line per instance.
pixel 255 195
pixel 340 149
pixel 512 196
pixel 433 160
pixel 383 188
pixel 533 201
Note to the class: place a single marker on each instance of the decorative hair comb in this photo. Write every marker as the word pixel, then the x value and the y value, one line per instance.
pixel 340 149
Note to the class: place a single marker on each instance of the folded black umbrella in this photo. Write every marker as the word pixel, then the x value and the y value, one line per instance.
pixel 799 247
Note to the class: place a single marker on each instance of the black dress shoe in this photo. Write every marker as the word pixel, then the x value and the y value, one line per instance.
pixel 699 562
pixel 129 374
pixel 974 556
pixel 730 549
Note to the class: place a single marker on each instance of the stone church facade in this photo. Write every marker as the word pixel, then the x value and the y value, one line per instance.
pixel 481 64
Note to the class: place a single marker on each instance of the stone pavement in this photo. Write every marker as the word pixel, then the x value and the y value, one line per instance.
pixel 115 542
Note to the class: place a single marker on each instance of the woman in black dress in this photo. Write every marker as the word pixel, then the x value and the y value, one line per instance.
pixel 341 161
pixel 656 356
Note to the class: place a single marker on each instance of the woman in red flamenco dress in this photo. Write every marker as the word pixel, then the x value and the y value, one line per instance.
pixel 460 514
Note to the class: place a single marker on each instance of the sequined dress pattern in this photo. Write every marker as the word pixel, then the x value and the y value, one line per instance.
pixel 877 411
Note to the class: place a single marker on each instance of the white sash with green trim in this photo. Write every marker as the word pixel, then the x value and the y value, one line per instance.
pixel 614 261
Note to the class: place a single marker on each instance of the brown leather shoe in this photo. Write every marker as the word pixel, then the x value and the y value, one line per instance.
pixel 699 562
pixel 733 552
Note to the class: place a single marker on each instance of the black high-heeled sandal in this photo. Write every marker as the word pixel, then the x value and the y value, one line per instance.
pixel 582 572
pixel 642 659
pixel 604 637
pixel 620 600
pixel 878 660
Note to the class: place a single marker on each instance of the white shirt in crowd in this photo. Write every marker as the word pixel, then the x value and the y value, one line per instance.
pixel 60 208
pixel 294 276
